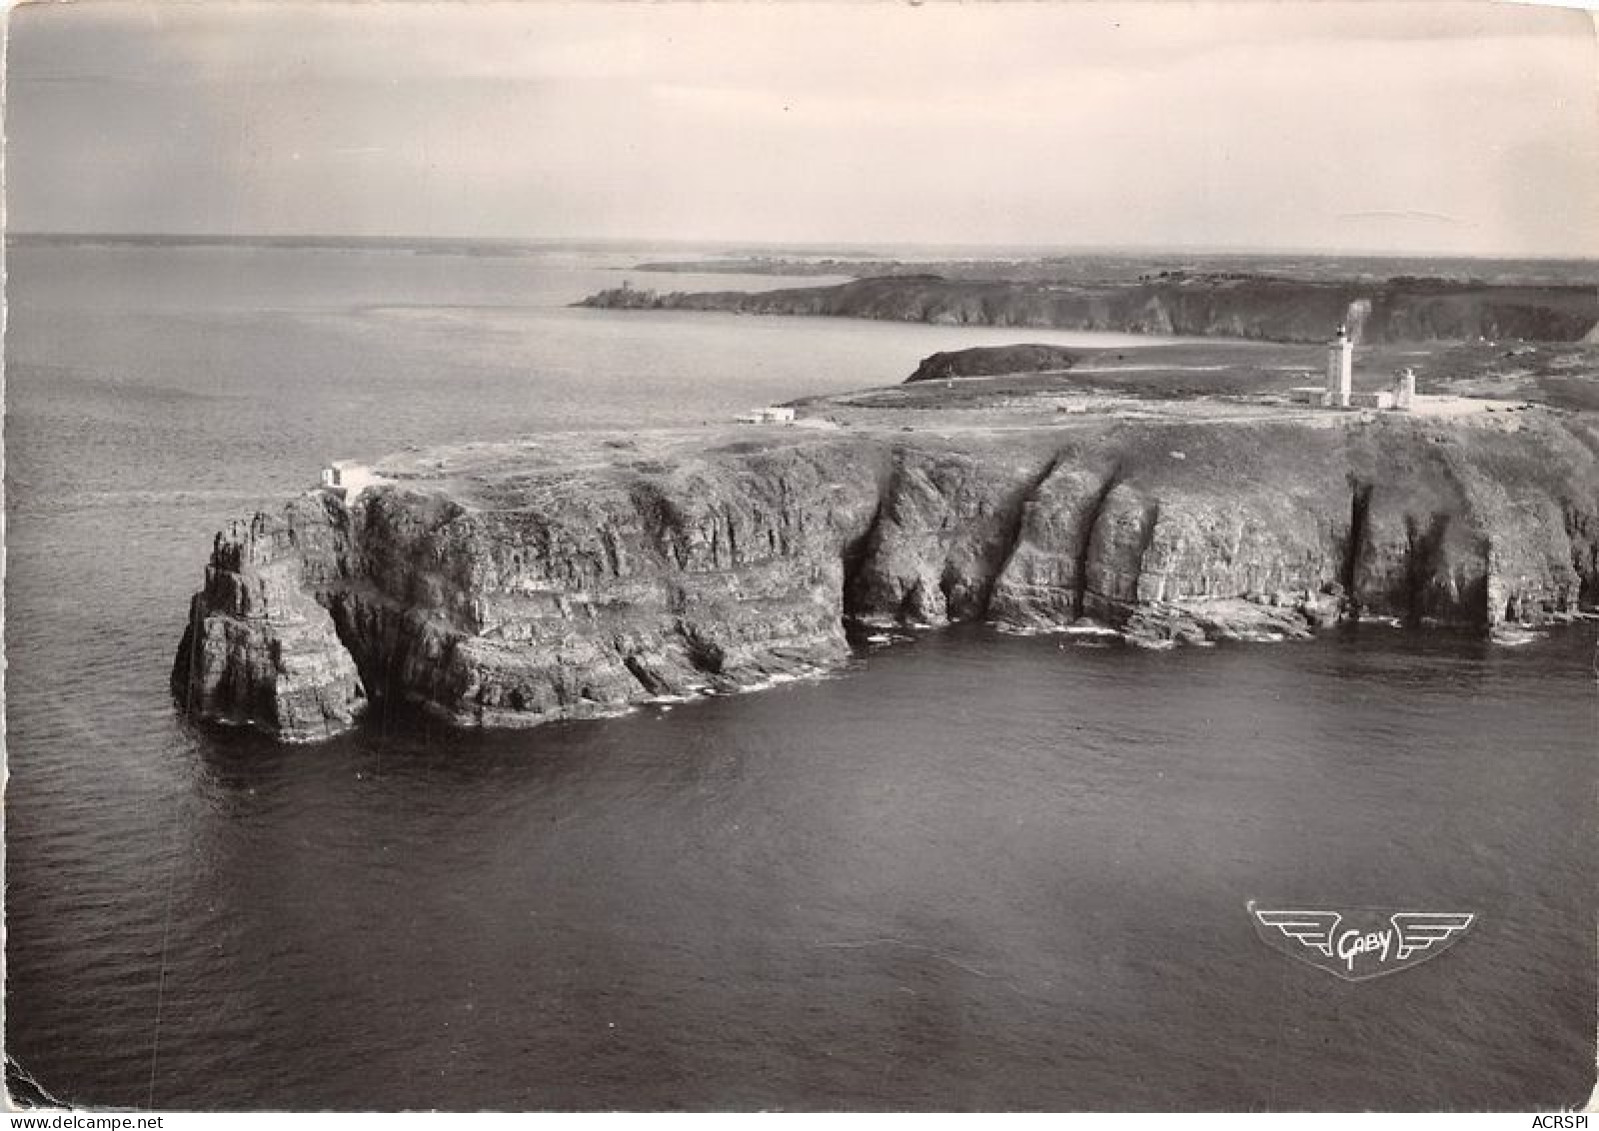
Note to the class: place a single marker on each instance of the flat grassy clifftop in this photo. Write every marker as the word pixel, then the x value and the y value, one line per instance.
pixel 1563 375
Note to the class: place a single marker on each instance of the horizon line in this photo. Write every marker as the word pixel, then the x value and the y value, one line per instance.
pixel 864 249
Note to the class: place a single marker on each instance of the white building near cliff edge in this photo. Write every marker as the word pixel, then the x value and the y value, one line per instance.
pixel 1405 390
pixel 772 414
pixel 348 479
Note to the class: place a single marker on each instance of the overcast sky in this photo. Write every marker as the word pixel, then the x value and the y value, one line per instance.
pixel 1470 128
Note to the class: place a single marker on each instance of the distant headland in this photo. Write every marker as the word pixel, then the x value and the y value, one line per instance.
pixel 1261 307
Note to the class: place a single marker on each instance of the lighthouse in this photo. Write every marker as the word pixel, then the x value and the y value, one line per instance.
pixel 1340 369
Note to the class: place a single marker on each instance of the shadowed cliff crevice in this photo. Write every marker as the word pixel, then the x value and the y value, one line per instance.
pixel 1424 563
pixel 944 530
pixel 1015 527
pixel 659 512
pixel 856 552
pixel 1087 532
pixel 1582 533
pixel 397 662
pixel 371 666
pixel 652 682
pixel 1355 546
pixel 1146 541
pixel 704 653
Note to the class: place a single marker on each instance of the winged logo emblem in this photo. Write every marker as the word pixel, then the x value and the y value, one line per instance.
pixel 1360 943
pixel 1419 930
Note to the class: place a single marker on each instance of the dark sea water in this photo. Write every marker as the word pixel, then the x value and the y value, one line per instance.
pixel 975 871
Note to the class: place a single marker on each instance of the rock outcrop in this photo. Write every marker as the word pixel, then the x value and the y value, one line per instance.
pixel 990 361
pixel 259 648
pixel 521 587
pixel 1232 306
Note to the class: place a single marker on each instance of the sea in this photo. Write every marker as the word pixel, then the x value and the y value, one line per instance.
pixel 972 871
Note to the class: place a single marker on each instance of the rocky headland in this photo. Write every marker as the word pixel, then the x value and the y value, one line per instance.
pixel 565 577
pixel 1261 307
pixel 989 361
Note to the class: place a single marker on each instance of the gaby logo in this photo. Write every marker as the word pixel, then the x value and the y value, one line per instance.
pixel 1360 943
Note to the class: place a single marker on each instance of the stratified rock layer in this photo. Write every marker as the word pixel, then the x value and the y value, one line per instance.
pixel 518 587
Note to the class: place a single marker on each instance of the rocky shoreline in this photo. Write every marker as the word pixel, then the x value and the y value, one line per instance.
pixel 569 577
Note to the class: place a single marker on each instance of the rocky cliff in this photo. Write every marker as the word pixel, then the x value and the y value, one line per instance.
pixel 1234 306
pixel 509 585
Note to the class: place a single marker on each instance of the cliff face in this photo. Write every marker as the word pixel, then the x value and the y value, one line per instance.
pixel 1272 309
pixel 579 595
pixel 525 593
pixel 259 648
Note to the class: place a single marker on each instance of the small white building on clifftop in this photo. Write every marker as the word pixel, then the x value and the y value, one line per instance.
pixel 348 478
pixel 1405 389
pixel 772 414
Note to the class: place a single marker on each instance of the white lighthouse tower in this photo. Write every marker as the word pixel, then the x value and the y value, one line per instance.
pixel 1340 369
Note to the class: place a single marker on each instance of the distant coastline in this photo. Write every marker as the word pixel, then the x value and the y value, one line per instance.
pixel 1110 266
pixel 954 261
pixel 1181 303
